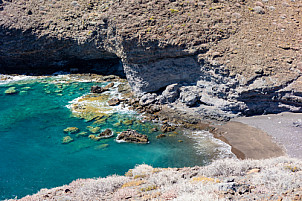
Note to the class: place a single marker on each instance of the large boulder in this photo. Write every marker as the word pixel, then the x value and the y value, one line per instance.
pixel 132 136
pixel 170 94
pixel 189 96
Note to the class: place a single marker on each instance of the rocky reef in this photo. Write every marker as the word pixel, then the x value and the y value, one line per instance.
pixel 218 58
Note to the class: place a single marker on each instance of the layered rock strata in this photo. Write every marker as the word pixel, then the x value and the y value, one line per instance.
pixel 227 57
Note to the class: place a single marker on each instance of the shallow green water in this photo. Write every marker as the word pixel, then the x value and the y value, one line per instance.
pixel 32 155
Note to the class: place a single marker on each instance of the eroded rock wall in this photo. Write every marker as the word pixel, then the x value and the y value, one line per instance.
pixel 228 57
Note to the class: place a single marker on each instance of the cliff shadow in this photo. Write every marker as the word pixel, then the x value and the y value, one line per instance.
pixel 22 52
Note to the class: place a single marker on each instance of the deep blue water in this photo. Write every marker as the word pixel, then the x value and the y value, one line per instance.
pixel 32 155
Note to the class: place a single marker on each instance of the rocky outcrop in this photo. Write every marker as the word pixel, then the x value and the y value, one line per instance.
pixel 132 136
pixel 226 57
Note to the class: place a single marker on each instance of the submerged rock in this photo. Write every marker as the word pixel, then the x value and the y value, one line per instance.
pixel 94 137
pixel 94 129
pixel 167 128
pixel 160 136
pixel 11 90
pixel 106 133
pixel 102 146
pixel 128 122
pixel 66 140
pixel 82 134
pixel 132 136
pixel 71 130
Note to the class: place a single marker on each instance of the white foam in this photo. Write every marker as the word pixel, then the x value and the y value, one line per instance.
pixel 15 78
pixel 206 144
pixel 113 93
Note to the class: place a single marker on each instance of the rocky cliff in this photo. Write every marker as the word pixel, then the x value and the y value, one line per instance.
pixel 219 58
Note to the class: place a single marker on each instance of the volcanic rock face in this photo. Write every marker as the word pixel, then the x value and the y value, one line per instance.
pixel 228 57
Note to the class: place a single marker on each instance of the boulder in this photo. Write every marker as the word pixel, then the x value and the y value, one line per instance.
pixel 113 102
pixel 106 133
pixel 170 94
pixel 132 136
pixel 71 130
pixel 189 97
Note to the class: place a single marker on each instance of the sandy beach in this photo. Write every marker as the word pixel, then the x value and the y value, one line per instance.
pixel 264 136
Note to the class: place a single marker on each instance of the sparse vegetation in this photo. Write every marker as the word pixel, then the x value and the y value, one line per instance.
pixel 278 177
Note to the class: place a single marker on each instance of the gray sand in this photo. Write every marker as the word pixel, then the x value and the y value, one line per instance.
pixel 285 128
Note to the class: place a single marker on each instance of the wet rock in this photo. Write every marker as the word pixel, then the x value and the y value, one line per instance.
pixel 167 128
pixel 66 140
pixel 71 130
pixel 108 86
pixel 147 99
pixel 170 94
pixel 11 90
pixel 160 136
pixel 106 133
pixel 98 89
pixel 113 102
pixel 132 136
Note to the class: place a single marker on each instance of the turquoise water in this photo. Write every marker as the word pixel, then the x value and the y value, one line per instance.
pixel 32 155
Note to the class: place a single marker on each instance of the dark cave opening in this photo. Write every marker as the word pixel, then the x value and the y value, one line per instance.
pixel 112 66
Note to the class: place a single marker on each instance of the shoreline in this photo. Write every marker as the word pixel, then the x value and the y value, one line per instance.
pixel 247 139
pixel 263 136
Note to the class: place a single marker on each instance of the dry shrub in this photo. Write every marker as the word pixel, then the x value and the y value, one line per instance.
pixel 133 183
